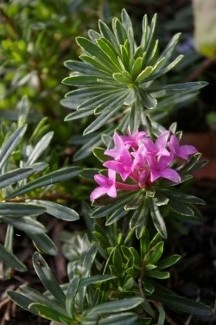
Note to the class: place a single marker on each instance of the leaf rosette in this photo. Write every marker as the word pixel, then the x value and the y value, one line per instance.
pixel 116 76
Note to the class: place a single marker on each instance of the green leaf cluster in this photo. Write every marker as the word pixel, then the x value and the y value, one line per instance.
pixel 117 78
pixel 23 172
pixel 80 302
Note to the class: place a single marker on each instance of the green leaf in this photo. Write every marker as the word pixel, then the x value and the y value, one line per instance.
pixel 168 261
pixel 10 144
pixel 11 260
pixel 168 51
pixel 82 67
pixel 95 51
pixel 156 252
pixel 96 279
pixel 14 176
pixel 49 313
pixel 116 306
pixel 162 315
pixel 8 245
pixel 119 31
pixel 111 208
pixel 182 197
pixel 26 224
pixel 106 115
pixel 79 114
pixel 151 33
pixel 109 50
pixel 40 147
pixel 43 243
pixel 144 74
pixel 159 274
pixel 87 148
pixel 120 319
pixel 148 101
pixel 145 31
pixel 184 87
pixel 181 208
pixel 47 278
pixel 70 295
pixel 136 67
pixel 99 66
pixel 26 295
pixel 137 261
pixel 21 300
pixel 180 304
pixel 10 209
pixel 99 154
pixel 158 220
pixel 89 259
pixel 170 66
pixel 115 216
pixel 40 129
pixel 57 210
pixel 60 175
pixel 80 80
pixel 108 34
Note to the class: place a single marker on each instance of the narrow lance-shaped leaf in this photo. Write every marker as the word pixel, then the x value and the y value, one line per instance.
pixel 57 210
pixel 158 220
pixel 14 176
pixel 11 260
pixel 116 306
pixel 48 179
pixel 157 252
pixel 181 304
pixel 43 243
pixel 10 144
pixel 40 147
pixel 49 313
pixel 11 209
pixel 47 278
pixel 26 296
pixel 8 245
pixel 120 319
pixel 26 224
pixel 70 295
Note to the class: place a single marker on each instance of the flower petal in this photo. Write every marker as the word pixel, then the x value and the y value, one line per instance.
pixel 171 174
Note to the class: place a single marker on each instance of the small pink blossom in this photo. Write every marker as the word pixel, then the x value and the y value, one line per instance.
pixel 161 169
pixel 132 140
pixel 183 151
pixel 119 148
pixel 139 162
pixel 107 185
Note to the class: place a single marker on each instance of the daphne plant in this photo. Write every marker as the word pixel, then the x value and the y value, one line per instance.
pixel 117 276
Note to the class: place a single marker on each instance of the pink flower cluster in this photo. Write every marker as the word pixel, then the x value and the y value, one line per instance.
pixel 139 161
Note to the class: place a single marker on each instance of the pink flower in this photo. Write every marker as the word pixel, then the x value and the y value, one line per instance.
pixel 161 169
pixel 107 185
pixel 122 165
pixel 180 151
pixel 132 140
pixel 119 148
pixel 140 162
